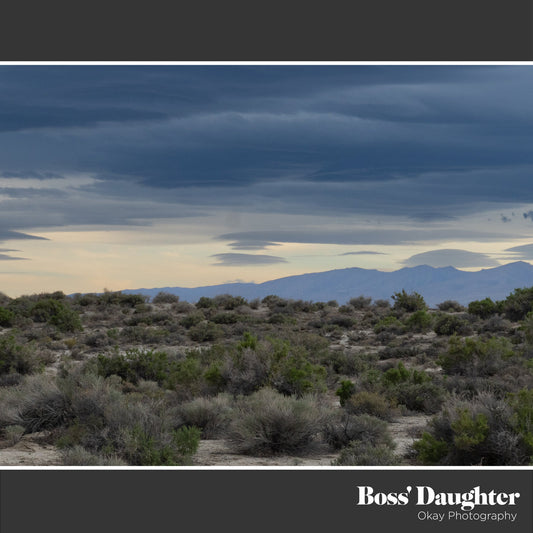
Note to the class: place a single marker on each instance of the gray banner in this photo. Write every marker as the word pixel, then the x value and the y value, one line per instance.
pixel 266 500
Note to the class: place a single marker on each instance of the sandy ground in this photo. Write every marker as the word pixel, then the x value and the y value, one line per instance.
pixel 29 452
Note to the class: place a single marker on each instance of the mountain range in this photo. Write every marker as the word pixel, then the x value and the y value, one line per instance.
pixel 434 284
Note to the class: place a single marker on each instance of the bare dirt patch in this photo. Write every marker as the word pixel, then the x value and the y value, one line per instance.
pixel 30 451
pixel 219 453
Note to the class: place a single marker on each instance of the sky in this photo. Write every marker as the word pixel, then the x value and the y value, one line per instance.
pixel 134 176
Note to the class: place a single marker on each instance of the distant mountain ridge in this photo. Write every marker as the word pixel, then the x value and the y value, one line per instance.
pixel 434 284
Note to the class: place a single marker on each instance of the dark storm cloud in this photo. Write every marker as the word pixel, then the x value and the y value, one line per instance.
pixel 246 259
pixel 456 258
pixel 426 142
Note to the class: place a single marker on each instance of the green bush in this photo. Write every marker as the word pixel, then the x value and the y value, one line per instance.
pixel 451 325
pixel 429 450
pixel 522 405
pixel 389 324
pixel 419 322
pixel 205 303
pixel 481 431
pixel 229 302
pixel 409 302
pixel 483 308
pixel 475 357
pixel 7 317
pixel 345 391
pixel 165 298
pixel 205 332
pixel 15 357
pixel 518 304
pixel 192 319
pixel 136 364
pixel 57 313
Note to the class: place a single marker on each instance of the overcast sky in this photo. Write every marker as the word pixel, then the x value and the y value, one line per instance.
pixel 148 176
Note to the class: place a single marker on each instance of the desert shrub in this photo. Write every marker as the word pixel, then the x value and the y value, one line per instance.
pixel 389 324
pixel 451 325
pixel 479 431
pixel 344 363
pixel 79 456
pixel 36 404
pixel 382 304
pixel 211 415
pixel 192 319
pixel 345 391
pixel 368 402
pixel 165 298
pixel 527 327
pixel 450 306
pixel 13 433
pixel 342 321
pixel 359 453
pixel 409 302
pixel 412 388
pixel 304 306
pixel 142 429
pixel 496 324
pixel 183 307
pixel 143 334
pixel 281 318
pixel 7 317
pixel 255 303
pixel 273 301
pixel 97 339
pixel 205 303
pixel 426 397
pixel 136 364
pixel 16 358
pixel 522 406
pixel 419 321
pixel 475 357
pixel 66 320
pixel 269 423
pixel 205 331
pixel 293 373
pixel 57 313
pixel 518 304
pixel 124 300
pixel 243 371
pixel 342 428
pixel 229 302
pixel 225 318
pixel 483 308
pixel 361 302
pixel 144 449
